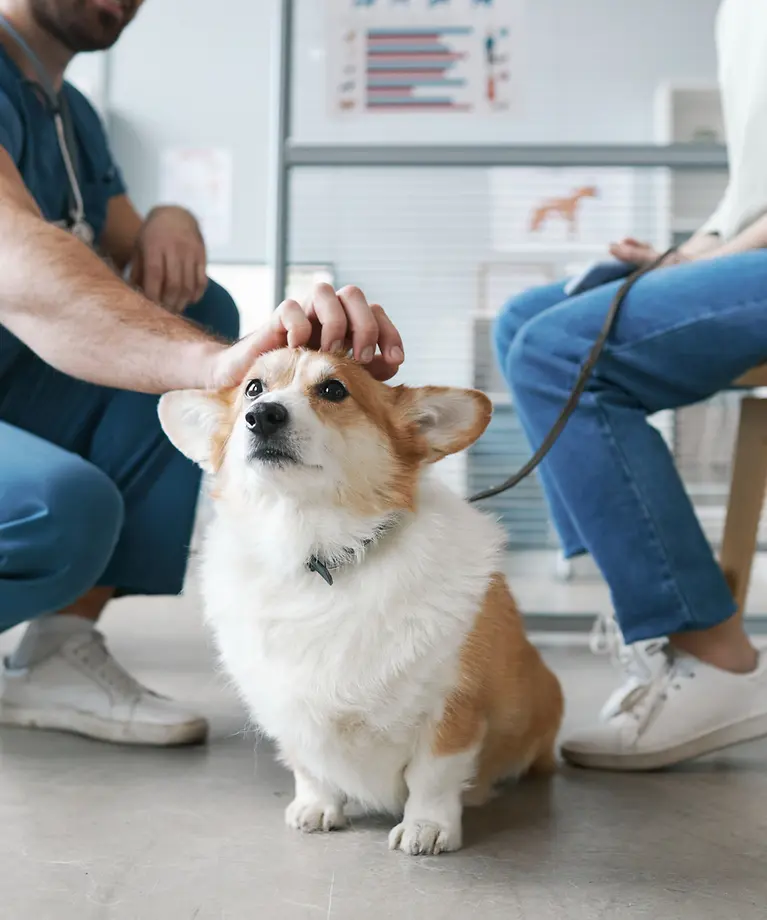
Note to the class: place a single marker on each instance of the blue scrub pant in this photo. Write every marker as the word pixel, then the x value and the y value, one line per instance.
pixel 683 334
pixel 91 491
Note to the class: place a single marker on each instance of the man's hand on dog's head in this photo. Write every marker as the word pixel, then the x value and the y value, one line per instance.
pixel 332 321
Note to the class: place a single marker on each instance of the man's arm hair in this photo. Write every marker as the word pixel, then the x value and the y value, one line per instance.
pixel 64 303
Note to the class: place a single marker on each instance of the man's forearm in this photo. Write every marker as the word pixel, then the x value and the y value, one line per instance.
pixel 77 315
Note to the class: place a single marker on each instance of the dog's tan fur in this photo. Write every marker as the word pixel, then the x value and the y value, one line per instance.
pixel 505 693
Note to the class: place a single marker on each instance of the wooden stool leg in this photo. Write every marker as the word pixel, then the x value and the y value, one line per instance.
pixel 744 507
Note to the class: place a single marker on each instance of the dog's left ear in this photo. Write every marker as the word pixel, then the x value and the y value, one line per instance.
pixel 193 420
pixel 449 419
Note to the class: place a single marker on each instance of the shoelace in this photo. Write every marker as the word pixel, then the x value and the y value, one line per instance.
pixel 648 677
pixel 639 706
pixel 95 656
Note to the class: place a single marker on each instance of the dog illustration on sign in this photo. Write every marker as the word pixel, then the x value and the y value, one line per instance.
pixel 566 208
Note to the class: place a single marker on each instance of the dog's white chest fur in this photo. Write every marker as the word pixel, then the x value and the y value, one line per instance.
pixel 347 677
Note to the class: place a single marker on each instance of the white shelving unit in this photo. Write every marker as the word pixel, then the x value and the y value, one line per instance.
pixel 690 114
pixel 687 114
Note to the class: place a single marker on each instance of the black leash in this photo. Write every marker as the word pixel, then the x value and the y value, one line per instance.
pixel 587 369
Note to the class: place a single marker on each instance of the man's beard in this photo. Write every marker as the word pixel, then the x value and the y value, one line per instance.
pixel 77 25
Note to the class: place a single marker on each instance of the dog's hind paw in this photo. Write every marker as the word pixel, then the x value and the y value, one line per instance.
pixel 477 796
pixel 310 816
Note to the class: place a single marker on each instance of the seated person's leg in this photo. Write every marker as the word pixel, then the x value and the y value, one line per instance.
pixel 684 333
pixel 515 313
pixel 518 310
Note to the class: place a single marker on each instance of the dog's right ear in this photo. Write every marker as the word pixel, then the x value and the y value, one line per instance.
pixel 194 421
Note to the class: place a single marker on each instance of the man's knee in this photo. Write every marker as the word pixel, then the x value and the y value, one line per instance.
pixel 57 535
pixel 217 311
pixel 154 547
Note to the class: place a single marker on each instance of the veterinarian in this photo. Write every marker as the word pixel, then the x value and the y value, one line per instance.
pixel 686 331
pixel 94 501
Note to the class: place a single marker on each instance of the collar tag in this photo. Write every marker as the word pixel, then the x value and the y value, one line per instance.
pixel 315 565
pixel 349 556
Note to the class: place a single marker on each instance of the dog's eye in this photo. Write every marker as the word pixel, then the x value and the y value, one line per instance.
pixel 254 389
pixel 332 390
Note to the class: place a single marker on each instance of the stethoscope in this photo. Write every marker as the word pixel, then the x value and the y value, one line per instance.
pixel 57 103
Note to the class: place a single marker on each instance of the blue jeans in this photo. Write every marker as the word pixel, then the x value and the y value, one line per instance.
pixel 91 491
pixel 684 333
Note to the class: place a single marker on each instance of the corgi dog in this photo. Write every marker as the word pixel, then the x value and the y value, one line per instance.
pixel 357 602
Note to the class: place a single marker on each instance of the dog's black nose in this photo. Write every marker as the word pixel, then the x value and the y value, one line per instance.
pixel 266 418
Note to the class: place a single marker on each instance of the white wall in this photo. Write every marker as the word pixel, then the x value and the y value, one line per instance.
pixel 196 73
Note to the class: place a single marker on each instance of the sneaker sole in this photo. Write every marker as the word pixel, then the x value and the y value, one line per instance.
pixel 79 723
pixel 750 730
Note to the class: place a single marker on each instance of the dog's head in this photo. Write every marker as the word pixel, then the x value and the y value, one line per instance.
pixel 316 425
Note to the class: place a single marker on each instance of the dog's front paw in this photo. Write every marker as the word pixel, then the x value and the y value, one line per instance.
pixel 312 816
pixel 424 838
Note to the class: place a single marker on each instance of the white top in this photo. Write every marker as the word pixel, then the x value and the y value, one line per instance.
pixel 741 40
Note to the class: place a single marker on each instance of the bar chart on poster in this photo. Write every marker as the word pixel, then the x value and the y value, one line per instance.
pixel 417 56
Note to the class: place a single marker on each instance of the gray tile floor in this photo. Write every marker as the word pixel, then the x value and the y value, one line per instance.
pixel 92 832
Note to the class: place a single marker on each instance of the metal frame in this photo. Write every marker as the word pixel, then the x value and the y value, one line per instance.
pixel 582 623
pixel 677 156
pixel 282 88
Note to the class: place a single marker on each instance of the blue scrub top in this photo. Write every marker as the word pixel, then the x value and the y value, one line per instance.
pixel 28 133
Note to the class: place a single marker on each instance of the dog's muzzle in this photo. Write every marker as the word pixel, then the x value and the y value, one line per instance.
pixel 268 423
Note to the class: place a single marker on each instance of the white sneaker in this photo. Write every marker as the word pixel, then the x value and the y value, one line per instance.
pixel 80 688
pixel 639 662
pixel 677 709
